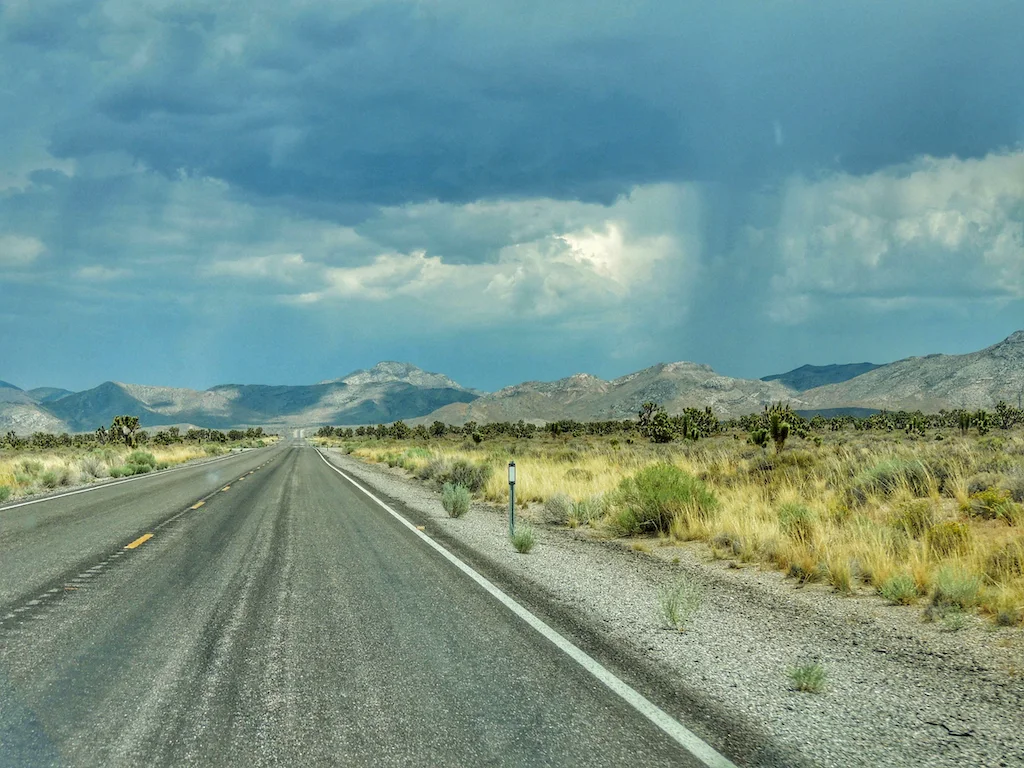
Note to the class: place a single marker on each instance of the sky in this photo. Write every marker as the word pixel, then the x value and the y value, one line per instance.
pixel 197 193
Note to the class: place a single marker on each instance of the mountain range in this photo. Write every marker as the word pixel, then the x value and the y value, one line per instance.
pixel 392 390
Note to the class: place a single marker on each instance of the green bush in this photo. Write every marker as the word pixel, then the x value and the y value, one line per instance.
pixel 163 465
pixel 652 498
pixel 797 522
pixel 955 589
pixel 915 517
pixel 139 469
pixel 455 499
pixel 5 493
pixel 119 471
pixel 899 589
pixel 213 450
pixel 523 538
pixel 51 478
pixel 991 504
pixel 887 477
pixel 471 476
pixel 948 538
pixel 140 458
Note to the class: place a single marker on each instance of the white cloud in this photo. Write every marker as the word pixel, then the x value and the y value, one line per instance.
pixel 99 273
pixel 19 251
pixel 940 228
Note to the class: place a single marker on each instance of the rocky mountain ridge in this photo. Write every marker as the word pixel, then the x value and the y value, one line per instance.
pixel 392 390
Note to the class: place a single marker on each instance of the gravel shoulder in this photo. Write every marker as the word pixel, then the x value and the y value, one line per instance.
pixel 898 692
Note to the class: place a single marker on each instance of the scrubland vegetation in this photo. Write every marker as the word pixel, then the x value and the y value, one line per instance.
pixel 921 515
pixel 44 462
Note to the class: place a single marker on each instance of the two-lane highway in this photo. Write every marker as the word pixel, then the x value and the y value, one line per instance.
pixel 289 620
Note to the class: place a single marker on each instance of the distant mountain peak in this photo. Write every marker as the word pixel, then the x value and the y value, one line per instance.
pixel 808 377
pixel 393 371
pixel 5 385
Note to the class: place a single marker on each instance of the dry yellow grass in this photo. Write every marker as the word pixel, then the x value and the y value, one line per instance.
pixel 872 501
pixel 27 472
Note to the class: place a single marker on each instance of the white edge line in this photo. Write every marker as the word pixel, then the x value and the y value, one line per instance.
pixel 690 741
pixel 101 486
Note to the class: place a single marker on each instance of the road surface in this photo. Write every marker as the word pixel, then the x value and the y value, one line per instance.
pixel 285 620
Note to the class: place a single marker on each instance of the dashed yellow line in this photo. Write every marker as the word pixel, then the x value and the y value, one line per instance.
pixel 226 488
pixel 141 540
pixel 197 505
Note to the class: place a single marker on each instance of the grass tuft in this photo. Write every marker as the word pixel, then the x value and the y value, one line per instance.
pixel 677 603
pixel 807 678
pixel 900 589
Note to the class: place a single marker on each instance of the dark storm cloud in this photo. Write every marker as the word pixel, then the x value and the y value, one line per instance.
pixel 397 102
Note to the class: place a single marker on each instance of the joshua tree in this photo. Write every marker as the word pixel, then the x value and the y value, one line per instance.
pixel 778 428
pixel 964 422
pixel 124 428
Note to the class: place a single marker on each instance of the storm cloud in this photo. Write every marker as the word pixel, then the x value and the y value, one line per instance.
pixel 752 185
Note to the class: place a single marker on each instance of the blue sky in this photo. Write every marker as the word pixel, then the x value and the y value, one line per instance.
pixel 195 193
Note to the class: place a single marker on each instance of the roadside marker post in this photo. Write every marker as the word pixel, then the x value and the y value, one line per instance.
pixel 511 499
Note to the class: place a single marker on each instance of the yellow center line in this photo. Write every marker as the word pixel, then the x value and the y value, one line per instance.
pixel 141 540
pixel 226 487
pixel 197 505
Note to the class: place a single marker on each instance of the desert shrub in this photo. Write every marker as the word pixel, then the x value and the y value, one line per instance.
pixel 163 465
pixel 31 466
pixel 119 471
pixel 139 458
pixel 1014 483
pixel 797 521
pixel 523 539
pixel 899 589
pixel 983 481
pixel 730 543
pixel 455 499
pixel 5 493
pixel 139 469
pixel 418 453
pixel 954 590
pixel 1006 562
pixel 558 508
pixel 213 450
pixel 651 499
pixel 471 476
pixel 914 517
pixel 991 504
pixel 93 466
pixel 51 478
pixel 948 538
pixel 887 477
pixel 579 473
pixel 436 467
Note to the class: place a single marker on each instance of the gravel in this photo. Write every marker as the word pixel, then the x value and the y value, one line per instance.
pixel 898 692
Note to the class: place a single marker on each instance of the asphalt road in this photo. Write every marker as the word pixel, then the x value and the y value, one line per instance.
pixel 286 621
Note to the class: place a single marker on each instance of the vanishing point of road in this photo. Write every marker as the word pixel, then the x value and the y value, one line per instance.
pixel 261 610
